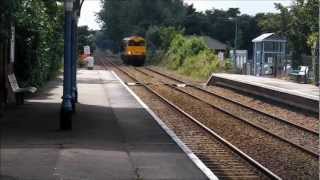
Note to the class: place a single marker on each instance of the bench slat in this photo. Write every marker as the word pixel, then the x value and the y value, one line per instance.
pixel 28 89
pixel 13 82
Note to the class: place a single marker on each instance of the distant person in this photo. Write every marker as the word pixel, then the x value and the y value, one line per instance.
pixel 90 62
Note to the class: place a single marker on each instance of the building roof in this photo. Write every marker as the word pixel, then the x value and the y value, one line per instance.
pixel 213 43
pixel 268 37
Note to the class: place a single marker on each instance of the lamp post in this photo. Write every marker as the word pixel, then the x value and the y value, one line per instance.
pixel 67 107
pixel 70 94
pixel 74 37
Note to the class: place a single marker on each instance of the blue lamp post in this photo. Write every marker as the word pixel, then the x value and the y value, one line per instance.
pixel 74 55
pixel 66 107
pixel 70 92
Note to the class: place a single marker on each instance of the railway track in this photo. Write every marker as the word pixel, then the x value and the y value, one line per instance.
pixel 288 153
pixel 285 121
pixel 300 137
pixel 224 159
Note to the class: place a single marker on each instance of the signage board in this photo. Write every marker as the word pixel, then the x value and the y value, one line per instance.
pixel 86 50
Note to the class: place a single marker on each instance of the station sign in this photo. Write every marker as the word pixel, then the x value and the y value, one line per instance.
pixel 86 50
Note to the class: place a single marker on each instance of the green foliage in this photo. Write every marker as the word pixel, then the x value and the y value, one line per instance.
pixel 297 22
pixel 167 34
pixel 161 38
pixel 182 47
pixel 144 17
pixel 313 39
pixel 86 37
pixel 158 42
pixel 7 9
pixel 134 17
pixel 39 40
pixel 191 56
pixel 151 19
pixel 153 37
pixel 154 57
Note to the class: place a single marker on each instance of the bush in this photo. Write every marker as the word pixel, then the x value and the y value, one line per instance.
pixel 167 34
pixel 153 37
pixel 192 57
pixel 158 42
pixel 187 55
pixel 182 47
pixel 161 37
pixel 39 41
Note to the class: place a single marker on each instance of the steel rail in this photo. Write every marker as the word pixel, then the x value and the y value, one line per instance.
pixel 235 102
pixel 246 157
pixel 304 149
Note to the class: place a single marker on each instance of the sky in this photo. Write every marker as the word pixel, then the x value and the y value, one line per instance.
pixel 251 7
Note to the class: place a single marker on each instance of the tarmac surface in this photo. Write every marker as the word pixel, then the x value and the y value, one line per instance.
pixel 113 137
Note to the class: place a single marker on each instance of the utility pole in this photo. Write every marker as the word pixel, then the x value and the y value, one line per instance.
pixel 235 39
pixel 235 42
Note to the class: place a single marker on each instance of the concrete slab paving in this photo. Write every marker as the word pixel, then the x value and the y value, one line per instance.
pixel 113 137
pixel 79 163
pixel 28 163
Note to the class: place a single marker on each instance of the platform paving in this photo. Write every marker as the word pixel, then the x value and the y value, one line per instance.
pixel 113 137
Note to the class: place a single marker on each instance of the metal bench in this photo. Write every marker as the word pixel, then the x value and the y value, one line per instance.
pixel 301 73
pixel 19 92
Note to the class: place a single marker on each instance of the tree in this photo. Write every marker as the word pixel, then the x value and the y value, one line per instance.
pixel 39 40
pixel 313 42
pixel 134 17
pixel 86 37
pixel 296 22
pixel 7 9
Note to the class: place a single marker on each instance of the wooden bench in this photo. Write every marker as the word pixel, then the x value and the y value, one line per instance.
pixel 302 72
pixel 19 92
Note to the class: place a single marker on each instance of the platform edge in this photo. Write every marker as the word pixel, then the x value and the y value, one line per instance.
pixel 274 88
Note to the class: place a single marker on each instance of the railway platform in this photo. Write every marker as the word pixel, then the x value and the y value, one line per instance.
pixel 302 96
pixel 113 137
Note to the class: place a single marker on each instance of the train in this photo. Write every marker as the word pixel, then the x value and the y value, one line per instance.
pixel 133 50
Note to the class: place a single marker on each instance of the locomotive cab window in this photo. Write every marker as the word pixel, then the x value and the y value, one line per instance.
pixel 134 43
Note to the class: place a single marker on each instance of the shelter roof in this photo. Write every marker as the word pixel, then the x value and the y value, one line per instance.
pixel 268 37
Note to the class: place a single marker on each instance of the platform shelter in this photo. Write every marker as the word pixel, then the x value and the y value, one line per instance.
pixel 269 55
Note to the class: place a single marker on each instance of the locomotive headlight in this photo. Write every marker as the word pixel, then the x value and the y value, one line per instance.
pixel 129 53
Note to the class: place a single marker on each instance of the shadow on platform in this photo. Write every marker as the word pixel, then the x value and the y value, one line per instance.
pixel 118 141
